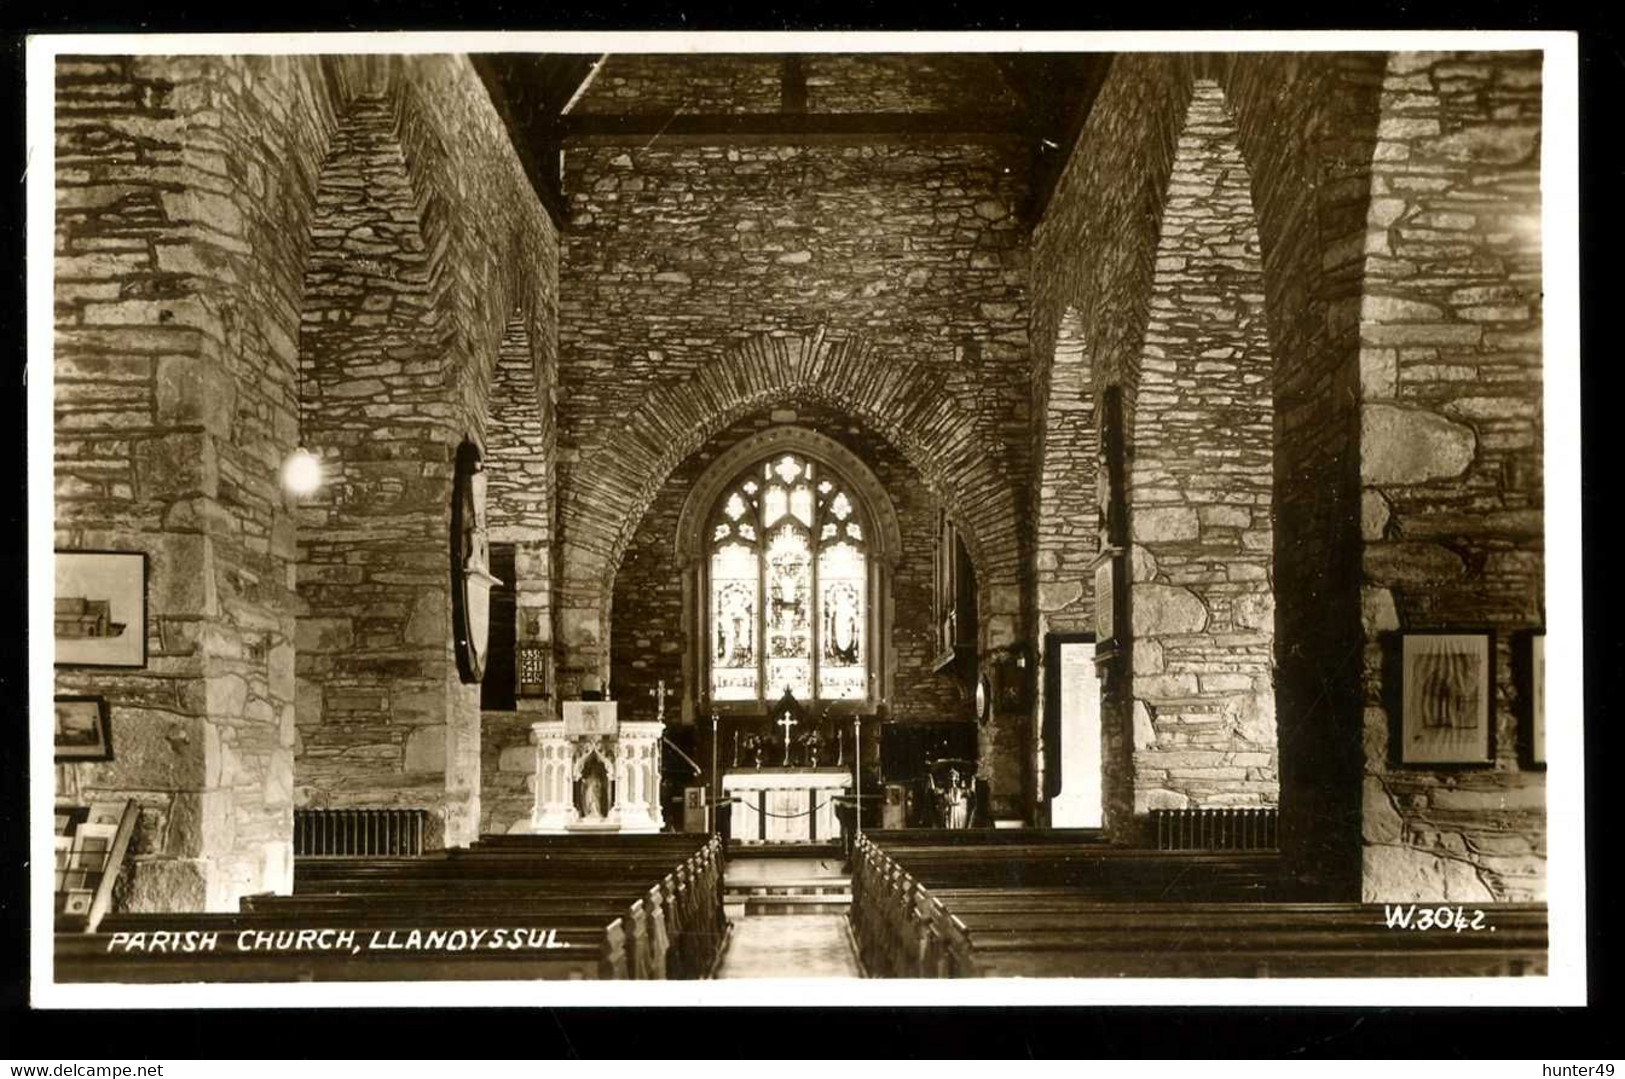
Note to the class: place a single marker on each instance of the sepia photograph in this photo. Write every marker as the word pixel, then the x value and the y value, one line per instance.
pixel 1061 515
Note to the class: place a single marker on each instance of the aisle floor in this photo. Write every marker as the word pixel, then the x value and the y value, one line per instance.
pixel 800 946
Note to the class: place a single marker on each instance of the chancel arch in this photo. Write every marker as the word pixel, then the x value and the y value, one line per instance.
pixel 789 511
pixel 915 408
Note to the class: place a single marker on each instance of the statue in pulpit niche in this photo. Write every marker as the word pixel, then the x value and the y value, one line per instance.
pixel 592 795
pixel 594 780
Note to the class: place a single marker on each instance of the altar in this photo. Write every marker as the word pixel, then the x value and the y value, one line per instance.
pixel 786 805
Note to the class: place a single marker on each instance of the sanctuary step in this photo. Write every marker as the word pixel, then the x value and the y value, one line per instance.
pixel 791 851
pixel 754 886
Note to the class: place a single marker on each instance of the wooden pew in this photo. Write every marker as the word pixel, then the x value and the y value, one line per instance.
pixel 893 941
pixel 646 929
pixel 1260 941
pixel 689 896
pixel 650 907
pixel 1145 914
pixel 587 952
pixel 1013 935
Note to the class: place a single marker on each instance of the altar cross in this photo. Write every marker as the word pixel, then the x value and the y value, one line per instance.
pixel 660 693
pixel 786 721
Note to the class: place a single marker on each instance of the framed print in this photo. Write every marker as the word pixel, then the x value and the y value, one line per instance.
pixel 1445 698
pixel 101 609
pixel 83 732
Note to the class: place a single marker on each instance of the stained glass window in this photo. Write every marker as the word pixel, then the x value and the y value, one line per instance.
pixel 789 586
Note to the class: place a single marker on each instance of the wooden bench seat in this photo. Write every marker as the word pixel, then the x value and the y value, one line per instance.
pixel 650 908
pixel 689 898
pixel 999 935
pixel 649 934
pixel 925 910
pixel 586 952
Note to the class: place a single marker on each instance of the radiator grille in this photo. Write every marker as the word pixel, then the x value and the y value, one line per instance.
pixel 1217 829
pixel 353 833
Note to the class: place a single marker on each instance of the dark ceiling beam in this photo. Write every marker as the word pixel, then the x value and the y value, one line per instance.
pixel 794 84
pixel 529 92
pixel 1059 91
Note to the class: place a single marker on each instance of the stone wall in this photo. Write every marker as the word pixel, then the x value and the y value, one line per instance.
pixel 1399 268
pixel 1306 124
pixel 905 82
pixel 831 83
pixel 1065 517
pixel 428 240
pixel 519 464
pixel 189 250
pixel 1199 490
pixel 1066 520
pixel 183 191
pixel 1094 253
pixel 702 284
pixel 630 83
pixel 1451 459
pixel 648 637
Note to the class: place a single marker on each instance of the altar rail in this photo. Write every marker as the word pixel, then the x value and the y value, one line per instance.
pixel 359 833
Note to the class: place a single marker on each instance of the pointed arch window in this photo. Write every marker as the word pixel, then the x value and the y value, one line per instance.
pixel 789 585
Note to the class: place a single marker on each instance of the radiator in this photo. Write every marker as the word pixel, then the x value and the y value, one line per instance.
pixel 353 833
pixel 1217 829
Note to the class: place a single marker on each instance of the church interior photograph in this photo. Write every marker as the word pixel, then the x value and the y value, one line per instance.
pixel 527 515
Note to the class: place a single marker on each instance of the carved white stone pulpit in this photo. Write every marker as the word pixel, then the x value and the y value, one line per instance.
pixel 637 786
pixel 595 773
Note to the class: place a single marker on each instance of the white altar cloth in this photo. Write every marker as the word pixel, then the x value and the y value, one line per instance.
pixel 786 805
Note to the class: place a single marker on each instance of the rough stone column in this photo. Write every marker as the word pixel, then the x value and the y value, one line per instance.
pixel 1451 458
pixel 1066 519
pixel 1006 743
pixel 1200 490
pixel 520 465
pixel 181 195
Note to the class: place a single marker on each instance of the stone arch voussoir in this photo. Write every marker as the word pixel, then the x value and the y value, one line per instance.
pixel 910 405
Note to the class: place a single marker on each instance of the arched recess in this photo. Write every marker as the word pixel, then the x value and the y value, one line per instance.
pixel 520 485
pixel 1199 491
pixel 1066 537
pixel 1066 544
pixel 378 716
pixel 915 408
pixel 1305 125
pixel 884 546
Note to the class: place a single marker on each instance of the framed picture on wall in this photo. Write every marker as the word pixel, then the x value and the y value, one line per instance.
pixel 101 609
pixel 1445 698
pixel 83 732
